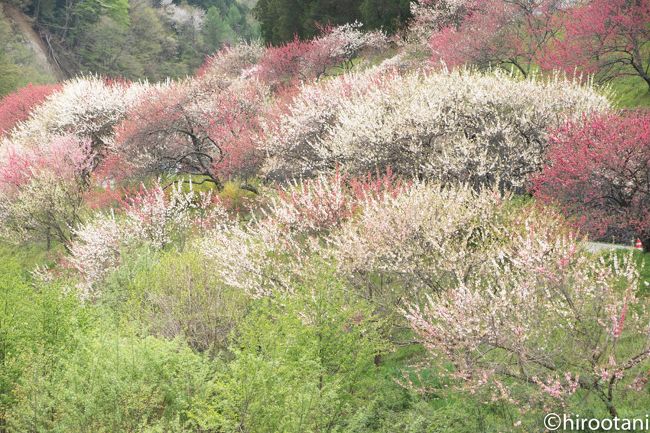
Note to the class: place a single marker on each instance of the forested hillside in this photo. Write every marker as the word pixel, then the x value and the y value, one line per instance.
pixel 136 39
pixel 379 217
pixel 22 59
pixel 281 20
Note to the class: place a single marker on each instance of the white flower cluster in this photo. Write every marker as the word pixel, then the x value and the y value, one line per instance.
pixel 431 15
pixel 295 134
pixel 96 250
pixel 426 236
pixel 346 41
pixel 151 217
pixel 185 15
pixel 232 62
pixel 87 106
pixel 461 126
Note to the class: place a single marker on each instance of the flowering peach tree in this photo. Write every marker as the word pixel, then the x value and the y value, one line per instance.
pixel 598 172
pixel 193 128
pixel 300 61
pixel 607 38
pixel 17 106
pixel 548 321
pixel 460 126
pixel 511 34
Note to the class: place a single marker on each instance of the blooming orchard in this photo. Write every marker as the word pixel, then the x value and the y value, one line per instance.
pixel 18 106
pixel 424 237
pixel 461 126
pixel 546 321
pixel 383 204
pixel 599 173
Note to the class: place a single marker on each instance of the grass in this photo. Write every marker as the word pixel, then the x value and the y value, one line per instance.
pixel 642 261
pixel 29 255
pixel 630 92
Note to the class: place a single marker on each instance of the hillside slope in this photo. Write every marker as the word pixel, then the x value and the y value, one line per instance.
pixel 23 59
pixel 22 24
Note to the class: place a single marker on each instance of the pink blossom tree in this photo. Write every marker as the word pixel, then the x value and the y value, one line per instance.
pixel 608 38
pixel 300 61
pixel 542 322
pixel 193 128
pixel 41 188
pixel 232 62
pixel 283 65
pixel 151 216
pixel 17 106
pixel 599 173
pixel 497 33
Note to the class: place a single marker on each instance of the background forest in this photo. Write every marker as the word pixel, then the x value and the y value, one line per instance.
pixel 323 216
pixel 160 39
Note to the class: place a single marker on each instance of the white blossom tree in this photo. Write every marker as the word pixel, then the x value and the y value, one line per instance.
pixel 461 126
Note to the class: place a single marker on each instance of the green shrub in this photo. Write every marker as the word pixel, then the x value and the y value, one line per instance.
pixel 110 383
pixel 301 363
pixel 182 295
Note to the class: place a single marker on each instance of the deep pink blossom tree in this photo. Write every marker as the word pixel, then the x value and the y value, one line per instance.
pixel 608 38
pixel 283 65
pixel 16 106
pixel 300 61
pixel 193 128
pixel 497 33
pixel 599 172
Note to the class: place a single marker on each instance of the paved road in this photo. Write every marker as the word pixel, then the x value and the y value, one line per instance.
pixel 595 247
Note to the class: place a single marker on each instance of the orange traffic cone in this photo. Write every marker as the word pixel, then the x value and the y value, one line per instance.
pixel 638 245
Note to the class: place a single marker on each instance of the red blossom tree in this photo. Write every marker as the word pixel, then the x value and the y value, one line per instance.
pixel 17 106
pixel 284 64
pixel 298 60
pixel 497 33
pixel 599 172
pixel 608 38
pixel 193 128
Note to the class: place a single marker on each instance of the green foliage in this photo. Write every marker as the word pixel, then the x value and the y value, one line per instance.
pixel 389 15
pixel 216 30
pixel 301 363
pixel 10 74
pixel 235 197
pixel 65 368
pixel 38 322
pixel 146 48
pixel 133 39
pixel 281 20
pixel 181 295
pixel 90 11
pixel 630 92
pixel 110 383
